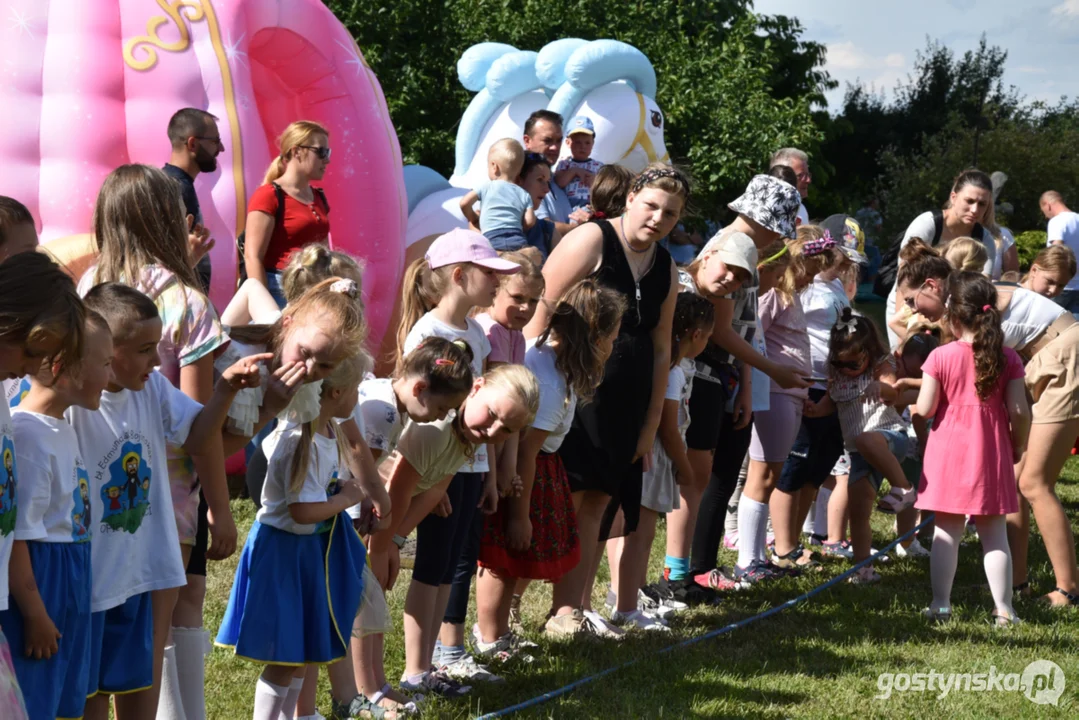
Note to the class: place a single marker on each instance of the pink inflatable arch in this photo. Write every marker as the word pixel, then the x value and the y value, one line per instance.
pixel 90 85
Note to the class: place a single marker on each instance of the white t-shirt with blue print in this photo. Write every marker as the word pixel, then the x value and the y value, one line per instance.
pixel 54 486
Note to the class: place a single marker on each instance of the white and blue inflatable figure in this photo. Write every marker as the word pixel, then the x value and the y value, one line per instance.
pixel 610 82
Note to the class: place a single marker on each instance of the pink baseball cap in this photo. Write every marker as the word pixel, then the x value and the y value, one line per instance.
pixel 460 245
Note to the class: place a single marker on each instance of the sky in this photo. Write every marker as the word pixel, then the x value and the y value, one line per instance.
pixel 874 43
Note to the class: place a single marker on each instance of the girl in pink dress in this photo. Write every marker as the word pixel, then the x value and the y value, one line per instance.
pixel 973 388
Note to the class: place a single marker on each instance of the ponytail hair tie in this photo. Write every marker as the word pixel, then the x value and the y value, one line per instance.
pixel 443 361
pixel 345 287
pixel 985 308
pixel 599 215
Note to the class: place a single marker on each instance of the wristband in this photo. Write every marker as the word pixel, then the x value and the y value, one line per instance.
pixel 399 541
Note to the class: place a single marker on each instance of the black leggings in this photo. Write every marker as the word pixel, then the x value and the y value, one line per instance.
pixel 727 463
pixel 440 541
pixel 457 607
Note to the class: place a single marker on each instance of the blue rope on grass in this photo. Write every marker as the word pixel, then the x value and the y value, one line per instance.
pixel 539 699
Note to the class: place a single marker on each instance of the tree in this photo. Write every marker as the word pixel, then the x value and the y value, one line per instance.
pixel 734 86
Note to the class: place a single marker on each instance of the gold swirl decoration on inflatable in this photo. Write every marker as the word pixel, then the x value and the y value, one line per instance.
pixel 642 140
pixel 181 12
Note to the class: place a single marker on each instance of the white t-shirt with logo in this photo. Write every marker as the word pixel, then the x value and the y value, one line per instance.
pixel 557 401
pixel 54 486
pixel 136 548
pixel 473 334
pixel 380 423
pixel 8 499
pixel 15 390
pixel 1065 227
pixel 319 485
pixel 822 302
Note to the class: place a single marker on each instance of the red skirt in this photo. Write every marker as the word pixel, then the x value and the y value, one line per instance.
pixel 555 548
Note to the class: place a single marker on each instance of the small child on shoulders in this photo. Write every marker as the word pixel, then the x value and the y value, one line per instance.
pixel 575 173
pixel 505 207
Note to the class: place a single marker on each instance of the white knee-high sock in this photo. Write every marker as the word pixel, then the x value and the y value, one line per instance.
pixel 944 557
pixel 730 522
pixel 269 701
pixel 170 705
pixel 997 558
pixel 192 644
pixel 292 698
pixel 752 524
pixel 819 513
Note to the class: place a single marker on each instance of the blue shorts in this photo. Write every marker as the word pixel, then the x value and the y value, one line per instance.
pixel 57 687
pixel 898 443
pixel 505 239
pixel 123 659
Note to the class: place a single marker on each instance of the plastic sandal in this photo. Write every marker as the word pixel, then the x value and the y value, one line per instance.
pixel 1001 620
pixel 896 501
pixel 1021 590
pixel 937 615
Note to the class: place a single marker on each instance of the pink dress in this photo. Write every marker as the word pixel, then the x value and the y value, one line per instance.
pixel 967 469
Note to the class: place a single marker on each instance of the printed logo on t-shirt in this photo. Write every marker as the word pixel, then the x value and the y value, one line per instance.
pixel 7 488
pixel 80 512
pixel 17 392
pixel 332 489
pixel 126 492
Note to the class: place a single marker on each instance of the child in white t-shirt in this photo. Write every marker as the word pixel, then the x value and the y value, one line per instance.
pixel 42 319
pixel 136 552
pixel 50 565
pixel 576 173
pixel 433 379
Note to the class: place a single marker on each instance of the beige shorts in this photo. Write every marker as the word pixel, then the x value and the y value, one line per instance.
pixel 1052 379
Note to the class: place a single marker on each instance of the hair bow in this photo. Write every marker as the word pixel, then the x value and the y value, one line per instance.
pixel 816 247
pixel 850 324
pixel 345 287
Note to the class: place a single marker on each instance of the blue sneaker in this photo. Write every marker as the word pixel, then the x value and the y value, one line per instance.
pixel 756 572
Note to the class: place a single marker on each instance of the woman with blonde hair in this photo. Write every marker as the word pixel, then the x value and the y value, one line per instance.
pixel 286 213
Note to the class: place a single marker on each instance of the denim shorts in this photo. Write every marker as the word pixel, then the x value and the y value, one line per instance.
pixel 505 239
pixel 898 443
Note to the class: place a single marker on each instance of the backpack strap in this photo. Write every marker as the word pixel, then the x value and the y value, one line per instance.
pixel 322 196
pixel 279 214
pixel 938 226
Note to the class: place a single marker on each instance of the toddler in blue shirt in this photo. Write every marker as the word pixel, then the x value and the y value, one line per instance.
pixel 505 207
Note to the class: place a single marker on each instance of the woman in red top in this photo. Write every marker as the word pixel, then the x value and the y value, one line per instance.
pixel 305 153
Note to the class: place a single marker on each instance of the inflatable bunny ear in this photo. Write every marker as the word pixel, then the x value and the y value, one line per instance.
pixel 612 83
pixel 498 73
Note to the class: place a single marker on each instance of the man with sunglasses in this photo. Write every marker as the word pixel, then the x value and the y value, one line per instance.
pixel 196 143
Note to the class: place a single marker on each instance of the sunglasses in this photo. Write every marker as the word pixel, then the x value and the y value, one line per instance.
pixel 846 364
pixel 322 152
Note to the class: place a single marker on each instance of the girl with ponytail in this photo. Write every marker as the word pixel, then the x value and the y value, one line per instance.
pixel 1046 336
pixel 974 388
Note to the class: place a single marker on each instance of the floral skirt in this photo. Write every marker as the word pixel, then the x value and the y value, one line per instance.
pixel 555 547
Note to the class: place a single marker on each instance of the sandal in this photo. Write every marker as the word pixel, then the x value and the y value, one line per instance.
pixel 370 706
pixel 1072 598
pixel 937 615
pixel 896 501
pixel 1022 590
pixel 1002 620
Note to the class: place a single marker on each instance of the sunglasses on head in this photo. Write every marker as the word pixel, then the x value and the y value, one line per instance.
pixel 322 152
pixel 535 157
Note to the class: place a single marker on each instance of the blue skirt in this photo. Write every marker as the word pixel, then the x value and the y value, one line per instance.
pixel 56 687
pixel 295 597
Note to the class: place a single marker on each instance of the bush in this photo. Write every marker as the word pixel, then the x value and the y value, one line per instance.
pixel 1029 244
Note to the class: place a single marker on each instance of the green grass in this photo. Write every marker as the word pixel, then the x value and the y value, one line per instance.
pixel 820 659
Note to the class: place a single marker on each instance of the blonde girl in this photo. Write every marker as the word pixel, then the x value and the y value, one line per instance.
pixel 783 324
pixel 300 573
pixel 141 231
pixel 286 213
pixel 1051 271
pixel 423 498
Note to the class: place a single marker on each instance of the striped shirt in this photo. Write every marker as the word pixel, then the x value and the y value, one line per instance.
pixel 860 407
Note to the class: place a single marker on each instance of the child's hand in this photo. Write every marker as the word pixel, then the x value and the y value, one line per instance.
pixel 42 637
pixel 586 177
pixel 199 242
pixel 517 486
pixel 518 532
pixel 222 536
pixel 444 508
pixel 385 566
pixel 282 385
pixel 352 492
pixel 244 373
pixel 488 498
pixel 888 392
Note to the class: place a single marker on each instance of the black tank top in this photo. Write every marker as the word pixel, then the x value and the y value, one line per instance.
pixel 642 314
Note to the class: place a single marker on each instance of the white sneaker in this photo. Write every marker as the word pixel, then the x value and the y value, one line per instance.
pixel 603 627
pixel 468 670
pixel 916 550
pixel 877 557
pixel 639 620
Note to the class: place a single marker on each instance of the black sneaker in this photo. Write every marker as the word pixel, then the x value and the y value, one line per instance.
pixel 686 591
